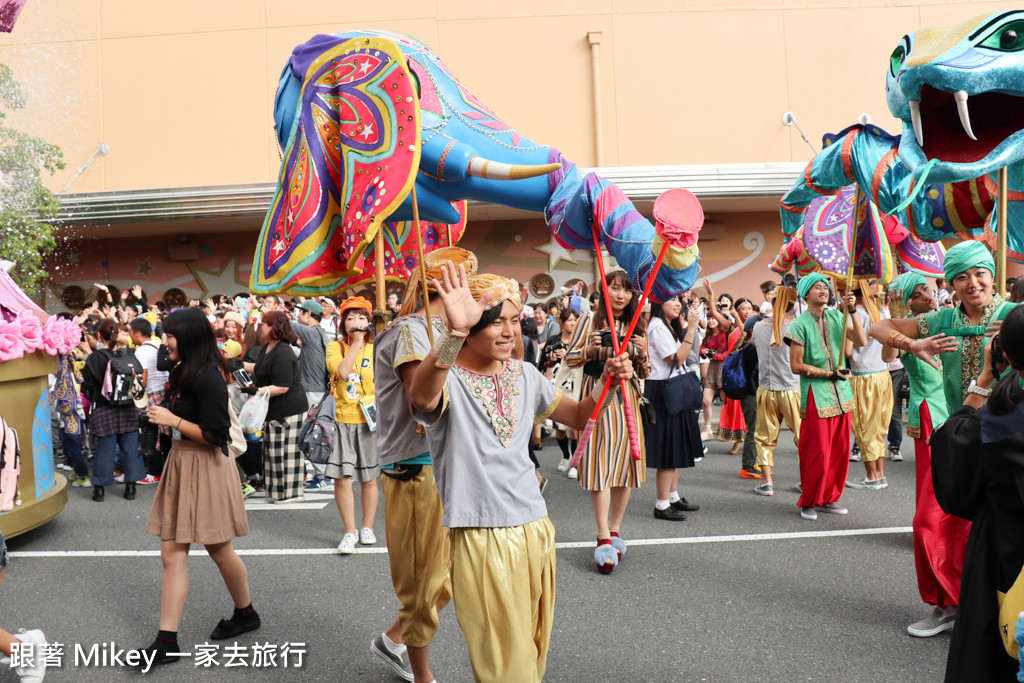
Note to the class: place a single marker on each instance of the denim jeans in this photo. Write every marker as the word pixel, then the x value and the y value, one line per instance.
pixel 895 434
pixel 72 444
pixel 103 460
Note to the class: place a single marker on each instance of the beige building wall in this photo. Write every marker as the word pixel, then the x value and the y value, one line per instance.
pixel 182 91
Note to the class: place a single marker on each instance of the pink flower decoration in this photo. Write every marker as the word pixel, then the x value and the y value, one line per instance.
pixel 72 335
pixel 31 331
pixel 11 346
pixel 53 336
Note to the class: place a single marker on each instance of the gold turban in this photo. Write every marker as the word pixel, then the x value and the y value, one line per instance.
pixel 434 262
pixel 502 289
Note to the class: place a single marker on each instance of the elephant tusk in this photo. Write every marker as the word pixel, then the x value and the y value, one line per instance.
pixel 496 170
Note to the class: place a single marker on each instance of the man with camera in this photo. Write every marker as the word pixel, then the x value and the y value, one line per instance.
pixel 313 370
pixel 146 352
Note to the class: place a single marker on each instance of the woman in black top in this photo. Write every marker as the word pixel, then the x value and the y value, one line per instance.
pixel 276 372
pixel 112 426
pixel 198 499
pixel 978 472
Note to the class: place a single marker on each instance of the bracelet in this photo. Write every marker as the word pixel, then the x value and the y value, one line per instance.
pixel 898 340
pixel 179 423
pixel 447 348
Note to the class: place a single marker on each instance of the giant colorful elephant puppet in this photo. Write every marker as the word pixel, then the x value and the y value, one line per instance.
pixel 960 94
pixel 363 116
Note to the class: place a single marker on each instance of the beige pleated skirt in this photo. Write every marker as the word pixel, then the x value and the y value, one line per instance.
pixel 199 497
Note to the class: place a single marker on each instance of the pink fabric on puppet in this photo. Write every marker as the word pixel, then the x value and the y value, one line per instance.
pixel 678 217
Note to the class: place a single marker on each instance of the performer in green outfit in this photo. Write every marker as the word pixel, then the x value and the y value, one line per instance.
pixel 959 333
pixel 826 400
pixel 939 539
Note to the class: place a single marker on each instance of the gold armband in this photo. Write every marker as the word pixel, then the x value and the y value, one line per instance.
pixel 595 393
pixel 898 340
pixel 447 348
pixel 819 373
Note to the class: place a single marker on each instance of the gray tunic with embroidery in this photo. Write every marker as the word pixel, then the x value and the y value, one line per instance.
pixel 479 438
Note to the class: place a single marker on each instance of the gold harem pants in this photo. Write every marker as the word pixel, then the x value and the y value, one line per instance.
pixel 503 583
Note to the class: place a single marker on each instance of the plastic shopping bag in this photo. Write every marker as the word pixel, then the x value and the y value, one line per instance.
pixel 254 413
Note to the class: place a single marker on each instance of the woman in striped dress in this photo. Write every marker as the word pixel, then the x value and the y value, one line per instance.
pixel 607 468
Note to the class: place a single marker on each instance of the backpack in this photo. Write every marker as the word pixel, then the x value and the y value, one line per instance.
pixel 319 431
pixel 122 380
pixel 10 465
pixel 737 382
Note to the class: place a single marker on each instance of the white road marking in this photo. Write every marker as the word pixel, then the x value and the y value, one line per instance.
pixel 380 550
pixel 267 505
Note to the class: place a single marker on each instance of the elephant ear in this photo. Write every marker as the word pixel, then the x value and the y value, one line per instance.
pixel 400 252
pixel 351 158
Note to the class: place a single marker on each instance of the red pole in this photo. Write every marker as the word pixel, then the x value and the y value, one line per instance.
pixel 628 409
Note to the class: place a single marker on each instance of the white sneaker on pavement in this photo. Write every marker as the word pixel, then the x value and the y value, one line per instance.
pixel 937 621
pixel 347 545
pixel 573 473
pixel 366 536
pixel 35 640
pixel 563 466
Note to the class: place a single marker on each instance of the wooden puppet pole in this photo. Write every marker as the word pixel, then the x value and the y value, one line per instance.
pixel 378 263
pixel 849 272
pixel 423 266
pixel 630 419
pixel 1001 226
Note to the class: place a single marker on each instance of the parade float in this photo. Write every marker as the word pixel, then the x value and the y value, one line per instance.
pixel 33 345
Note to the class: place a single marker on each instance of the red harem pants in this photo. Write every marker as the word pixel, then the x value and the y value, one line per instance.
pixel 824 456
pixel 939 539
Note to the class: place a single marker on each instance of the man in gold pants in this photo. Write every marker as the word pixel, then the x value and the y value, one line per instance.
pixel 872 393
pixel 418 549
pixel 778 392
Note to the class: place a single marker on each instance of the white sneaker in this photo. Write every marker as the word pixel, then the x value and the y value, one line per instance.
pixel 573 474
pixel 347 545
pixel 366 536
pixel 865 483
pixel 833 508
pixel 895 455
pixel 808 513
pixel 34 673
pixel 935 623
pixel 563 466
pixel 764 489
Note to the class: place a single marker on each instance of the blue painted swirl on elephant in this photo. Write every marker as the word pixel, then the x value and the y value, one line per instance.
pixel 42 445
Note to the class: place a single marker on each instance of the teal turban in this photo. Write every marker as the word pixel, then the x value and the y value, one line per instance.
pixel 905 285
pixel 966 255
pixel 808 281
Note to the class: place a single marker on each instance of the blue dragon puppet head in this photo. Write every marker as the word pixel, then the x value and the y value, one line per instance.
pixel 960 93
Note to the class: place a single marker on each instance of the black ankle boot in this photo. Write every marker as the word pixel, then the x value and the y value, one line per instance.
pixel 242 621
pixel 97 493
pixel 129 491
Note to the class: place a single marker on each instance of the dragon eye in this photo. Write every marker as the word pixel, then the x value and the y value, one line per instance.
pixel 1008 38
pixel 896 60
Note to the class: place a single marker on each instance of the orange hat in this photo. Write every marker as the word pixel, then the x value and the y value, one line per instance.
pixel 355 303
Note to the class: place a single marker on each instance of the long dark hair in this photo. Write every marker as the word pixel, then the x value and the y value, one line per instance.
pixel 601 316
pixel 197 347
pixel 1007 392
pixel 676 326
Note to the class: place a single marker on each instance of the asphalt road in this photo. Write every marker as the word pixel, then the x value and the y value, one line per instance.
pixel 744 590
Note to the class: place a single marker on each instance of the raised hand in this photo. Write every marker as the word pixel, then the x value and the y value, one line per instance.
pixel 850 302
pixel 933 345
pixel 461 309
pixel 707 288
pixel 137 291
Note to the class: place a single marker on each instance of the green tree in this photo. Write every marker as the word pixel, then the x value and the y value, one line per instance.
pixel 26 206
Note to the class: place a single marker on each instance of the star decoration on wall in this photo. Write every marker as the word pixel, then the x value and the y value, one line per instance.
pixel 223 280
pixel 145 268
pixel 556 253
pixel 74 257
